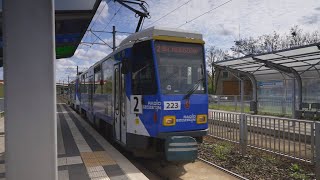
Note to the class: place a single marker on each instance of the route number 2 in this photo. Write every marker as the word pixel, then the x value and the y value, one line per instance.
pixel 136 104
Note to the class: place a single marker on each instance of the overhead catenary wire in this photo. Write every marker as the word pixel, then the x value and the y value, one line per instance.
pixel 98 15
pixel 110 32
pixel 169 13
pixel 98 36
pixel 114 15
pixel 207 12
pixel 93 23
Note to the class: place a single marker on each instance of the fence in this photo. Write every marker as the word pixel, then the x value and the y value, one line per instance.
pixel 289 137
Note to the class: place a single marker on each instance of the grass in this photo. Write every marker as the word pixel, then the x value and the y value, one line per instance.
pixel 222 150
pixel 231 108
pixel 256 164
pixel 297 172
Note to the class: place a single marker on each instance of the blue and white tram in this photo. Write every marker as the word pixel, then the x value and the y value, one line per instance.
pixel 150 95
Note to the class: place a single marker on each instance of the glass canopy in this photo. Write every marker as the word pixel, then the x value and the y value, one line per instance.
pixel 302 59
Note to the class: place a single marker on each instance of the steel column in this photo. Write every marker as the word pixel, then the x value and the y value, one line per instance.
pixel 29 74
pixel 317 146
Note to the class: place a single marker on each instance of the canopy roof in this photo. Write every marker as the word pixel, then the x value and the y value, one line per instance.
pixel 72 18
pixel 301 59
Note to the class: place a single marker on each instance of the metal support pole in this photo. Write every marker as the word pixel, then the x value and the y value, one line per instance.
pixel 299 87
pixel 317 143
pixel 294 99
pixel 243 123
pixel 77 70
pixel 235 102
pixel 114 38
pixel 242 95
pixel 243 134
pixel 283 106
pixel 30 106
pixel 63 89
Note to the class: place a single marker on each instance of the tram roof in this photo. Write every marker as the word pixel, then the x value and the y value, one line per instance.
pixel 162 33
pixel 72 18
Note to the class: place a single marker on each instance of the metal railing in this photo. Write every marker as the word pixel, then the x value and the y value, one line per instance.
pixel 289 137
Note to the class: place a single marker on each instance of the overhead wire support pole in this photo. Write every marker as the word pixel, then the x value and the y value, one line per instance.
pixel 114 38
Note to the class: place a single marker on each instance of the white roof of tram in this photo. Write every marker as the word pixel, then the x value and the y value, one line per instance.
pixel 155 31
pixel 302 59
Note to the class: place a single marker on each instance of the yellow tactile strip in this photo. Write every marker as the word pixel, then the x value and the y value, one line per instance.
pixel 97 158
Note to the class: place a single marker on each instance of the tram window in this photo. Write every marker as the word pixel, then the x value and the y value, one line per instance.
pixel 97 85
pixel 143 73
pixel 107 67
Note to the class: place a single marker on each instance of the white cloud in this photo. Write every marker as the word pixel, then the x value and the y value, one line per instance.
pixel 219 27
pixel 101 14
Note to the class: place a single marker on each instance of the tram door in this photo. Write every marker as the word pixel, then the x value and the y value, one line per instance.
pixel 90 93
pixel 119 104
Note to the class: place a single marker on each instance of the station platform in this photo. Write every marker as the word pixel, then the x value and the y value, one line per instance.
pixel 83 154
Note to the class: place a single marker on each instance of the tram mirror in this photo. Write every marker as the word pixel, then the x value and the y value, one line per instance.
pixel 125 68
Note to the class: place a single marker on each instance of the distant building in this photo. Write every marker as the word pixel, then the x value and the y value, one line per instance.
pixel 228 84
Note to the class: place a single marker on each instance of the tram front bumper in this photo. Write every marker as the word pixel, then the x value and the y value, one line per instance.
pixel 181 148
pixel 197 133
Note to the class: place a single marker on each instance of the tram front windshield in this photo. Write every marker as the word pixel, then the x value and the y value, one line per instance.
pixel 180 67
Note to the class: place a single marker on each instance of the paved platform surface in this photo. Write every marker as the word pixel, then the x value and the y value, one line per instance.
pixel 84 154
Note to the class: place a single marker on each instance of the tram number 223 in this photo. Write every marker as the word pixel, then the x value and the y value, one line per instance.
pixel 172 105
pixel 136 104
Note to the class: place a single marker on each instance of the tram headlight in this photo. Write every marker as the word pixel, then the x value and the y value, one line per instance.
pixel 169 120
pixel 201 119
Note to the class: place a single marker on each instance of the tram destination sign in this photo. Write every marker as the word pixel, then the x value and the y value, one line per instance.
pixel 178 49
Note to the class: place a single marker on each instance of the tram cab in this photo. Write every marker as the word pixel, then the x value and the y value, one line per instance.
pixel 158 101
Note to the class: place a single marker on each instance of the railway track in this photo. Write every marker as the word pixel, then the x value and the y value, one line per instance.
pixel 157 169
pixel 223 169
pixel 200 169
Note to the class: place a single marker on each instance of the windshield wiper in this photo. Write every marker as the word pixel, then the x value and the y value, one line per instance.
pixel 169 77
pixel 193 89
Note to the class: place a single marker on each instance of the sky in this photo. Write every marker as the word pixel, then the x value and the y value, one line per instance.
pixel 220 21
